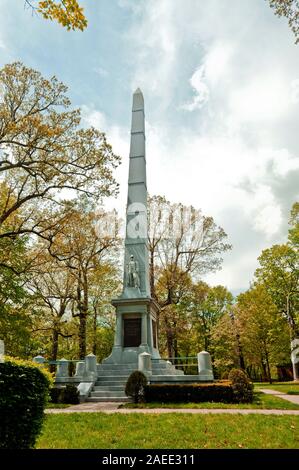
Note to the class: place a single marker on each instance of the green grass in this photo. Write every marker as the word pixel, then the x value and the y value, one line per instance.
pixel 261 401
pixel 285 387
pixel 57 405
pixel 139 431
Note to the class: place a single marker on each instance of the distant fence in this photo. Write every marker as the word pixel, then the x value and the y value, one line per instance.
pixel 188 364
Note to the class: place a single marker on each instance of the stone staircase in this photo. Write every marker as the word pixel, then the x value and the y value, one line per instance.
pixel 112 379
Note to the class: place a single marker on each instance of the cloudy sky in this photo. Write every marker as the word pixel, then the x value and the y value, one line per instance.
pixel 221 86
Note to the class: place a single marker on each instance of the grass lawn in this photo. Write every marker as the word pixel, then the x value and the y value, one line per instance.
pixel 57 405
pixel 285 387
pixel 136 431
pixel 261 401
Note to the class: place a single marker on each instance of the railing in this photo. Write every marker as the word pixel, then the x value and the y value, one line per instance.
pixel 71 369
pixel 188 364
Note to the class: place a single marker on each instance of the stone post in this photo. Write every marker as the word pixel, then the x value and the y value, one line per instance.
pixel 205 371
pixel 80 366
pixel 62 368
pixel 90 370
pixel 145 363
pixel 39 359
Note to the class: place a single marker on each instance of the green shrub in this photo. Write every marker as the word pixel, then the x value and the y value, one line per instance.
pixel 71 395
pixel 24 390
pixel 56 395
pixel 186 393
pixel 135 386
pixel 241 385
pixel 68 395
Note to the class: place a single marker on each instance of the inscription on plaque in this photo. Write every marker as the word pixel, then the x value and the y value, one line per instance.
pixel 132 332
pixel 154 333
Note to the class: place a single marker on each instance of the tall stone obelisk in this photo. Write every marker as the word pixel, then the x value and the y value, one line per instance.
pixel 136 311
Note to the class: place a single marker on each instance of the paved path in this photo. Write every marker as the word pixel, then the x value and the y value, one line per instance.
pixel 284 396
pixel 113 408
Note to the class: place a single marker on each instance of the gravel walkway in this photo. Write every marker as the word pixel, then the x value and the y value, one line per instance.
pixel 284 396
pixel 113 408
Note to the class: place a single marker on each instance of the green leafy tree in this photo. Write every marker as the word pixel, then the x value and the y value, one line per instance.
pixel 279 272
pixel 263 332
pixel 294 223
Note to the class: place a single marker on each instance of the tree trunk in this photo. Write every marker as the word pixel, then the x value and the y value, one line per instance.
pixel 54 351
pixel 82 336
pixel 169 337
pixel 238 341
pixel 94 345
pixel 83 310
pixel 268 366
pixel 264 370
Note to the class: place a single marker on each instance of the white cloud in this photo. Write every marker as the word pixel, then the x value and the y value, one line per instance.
pixel 262 98
pixel 94 118
pixel 201 90
pixel 232 157
pixel 102 72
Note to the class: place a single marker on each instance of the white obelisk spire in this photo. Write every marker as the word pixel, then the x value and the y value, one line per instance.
pixel 136 272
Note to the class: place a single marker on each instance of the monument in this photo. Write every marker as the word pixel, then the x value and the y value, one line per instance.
pixel 136 311
pixel 135 342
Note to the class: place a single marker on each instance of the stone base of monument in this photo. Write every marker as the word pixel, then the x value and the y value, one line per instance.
pixel 112 377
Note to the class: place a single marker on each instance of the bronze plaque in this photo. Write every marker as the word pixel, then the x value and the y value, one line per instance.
pixel 132 332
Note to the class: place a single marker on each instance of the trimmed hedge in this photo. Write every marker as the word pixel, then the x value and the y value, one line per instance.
pixel 184 393
pixel 68 394
pixel 24 391
pixel 135 386
pixel 241 385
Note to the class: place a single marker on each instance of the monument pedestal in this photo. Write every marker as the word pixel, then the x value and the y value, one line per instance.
pixel 136 330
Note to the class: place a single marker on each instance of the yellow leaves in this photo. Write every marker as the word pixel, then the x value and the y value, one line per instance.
pixel 68 13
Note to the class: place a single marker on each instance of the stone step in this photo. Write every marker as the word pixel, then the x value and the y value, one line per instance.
pixel 109 399
pixel 117 367
pixel 107 383
pixel 115 372
pixel 177 379
pixel 118 378
pixel 109 388
pixel 107 394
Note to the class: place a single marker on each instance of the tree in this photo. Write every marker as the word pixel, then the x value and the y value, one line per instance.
pixel 226 344
pixel 44 152
pixel 83 245
pixel 206 305
pixel 68 13
pixel 290 10
pixel 104 285
pixel 264 334
pixel 279 272
pixel 15 322
pixel 52 288
pixel 294 223
pixel 183 245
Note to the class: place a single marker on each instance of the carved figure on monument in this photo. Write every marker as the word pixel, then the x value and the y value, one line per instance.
pixel 133 273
